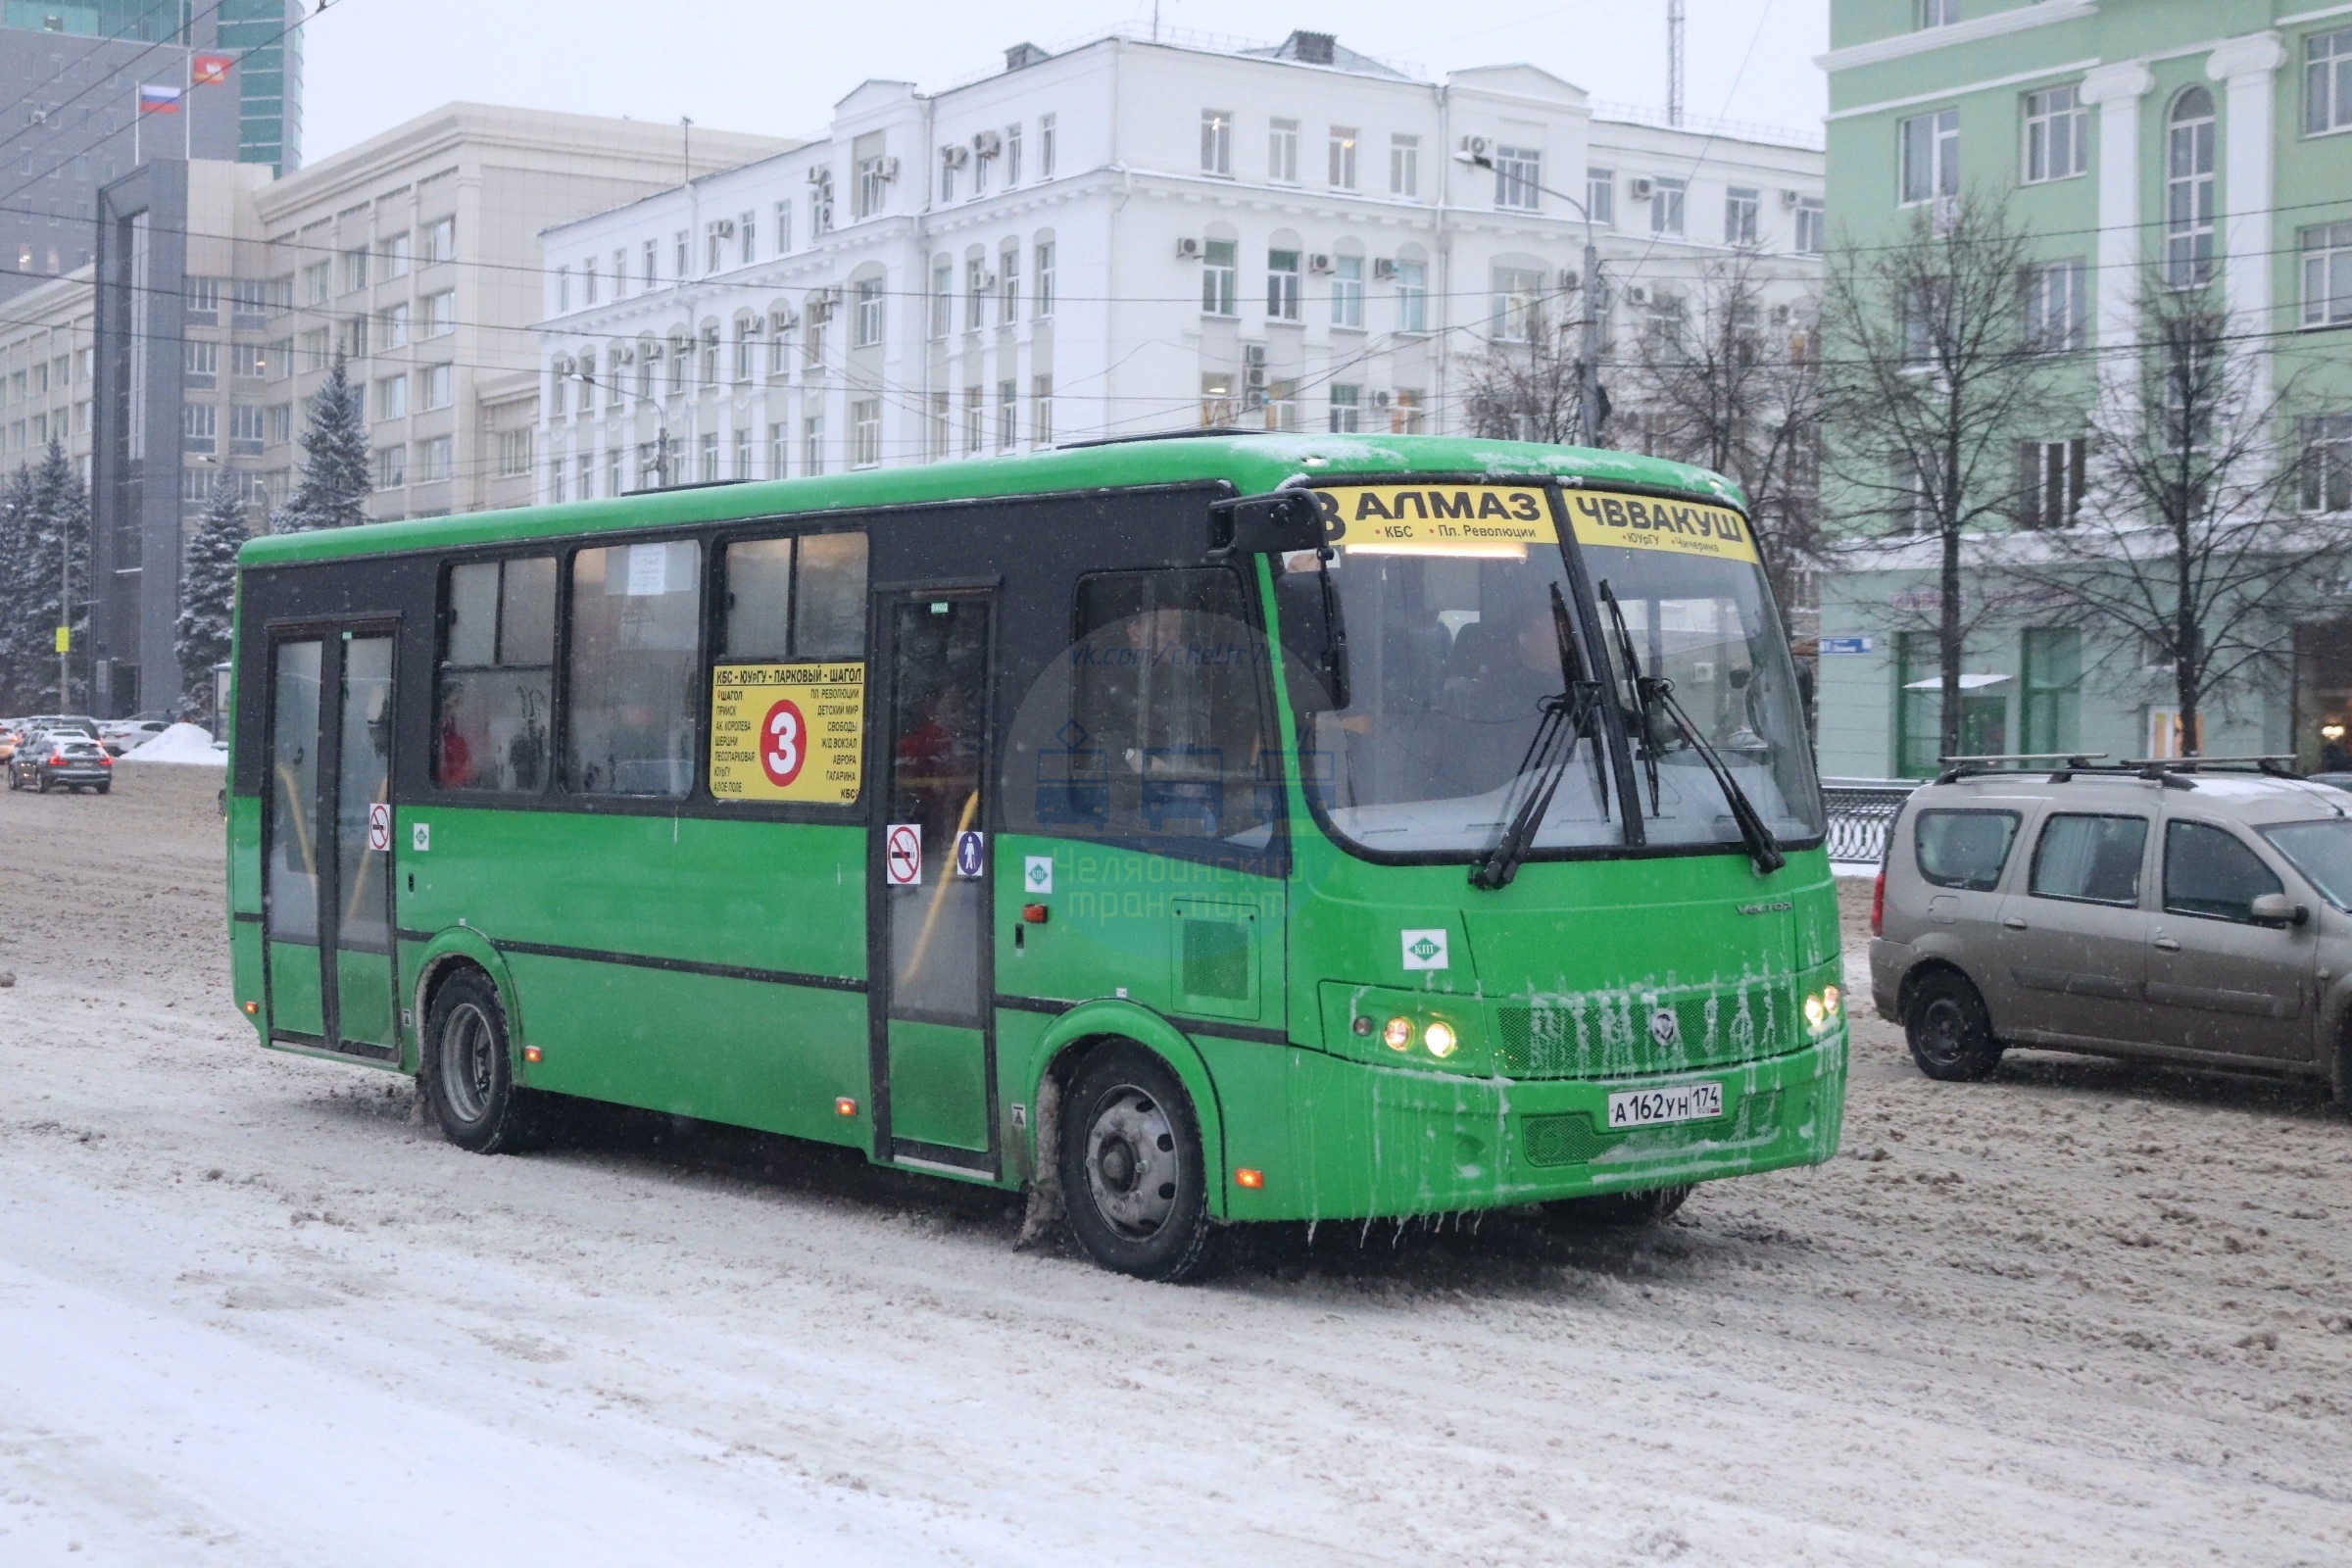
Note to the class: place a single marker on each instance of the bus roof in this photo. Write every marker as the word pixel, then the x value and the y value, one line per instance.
pixel 1253 463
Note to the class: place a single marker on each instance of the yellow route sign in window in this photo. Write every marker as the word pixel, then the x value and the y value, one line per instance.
pixel 788 732
pixel 1648 523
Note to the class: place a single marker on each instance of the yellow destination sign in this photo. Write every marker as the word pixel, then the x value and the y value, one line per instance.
pixel 788 732
pixel 1648 522
pixel 1437 518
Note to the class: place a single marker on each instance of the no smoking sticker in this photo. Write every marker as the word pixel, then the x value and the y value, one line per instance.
pixel 380 826
pixel 903 854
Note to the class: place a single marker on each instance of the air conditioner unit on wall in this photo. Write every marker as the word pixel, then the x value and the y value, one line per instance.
pixel 1789 198
pixel 1380 400
pixel 621 354
pixel 1475 146
pixel 820 175
pixel 724 229
pixel 1641 187
pixel 955 155
pixel 988 143
pixel 1636 294
pixel 1383 269
pixel 986 280
pixel 886 168
pixel 1317 261
pixel 1188 249
pixel 782 320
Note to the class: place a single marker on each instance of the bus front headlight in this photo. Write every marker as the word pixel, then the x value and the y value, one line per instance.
pixel 1441 1039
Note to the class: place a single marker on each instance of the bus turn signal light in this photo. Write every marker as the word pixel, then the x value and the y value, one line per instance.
pixel 1251 1179
pixel 845 1106
pixel 252 1007
pixel 531 1053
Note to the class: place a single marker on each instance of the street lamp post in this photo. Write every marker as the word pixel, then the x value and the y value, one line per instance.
pixel 661 431
pixel 1588 382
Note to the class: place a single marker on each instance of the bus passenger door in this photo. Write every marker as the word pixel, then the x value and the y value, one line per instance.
pixel 928 930
pixel 327 854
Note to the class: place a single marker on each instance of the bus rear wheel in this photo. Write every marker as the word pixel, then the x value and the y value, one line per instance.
pixel 1133 1179
pixel 469 1074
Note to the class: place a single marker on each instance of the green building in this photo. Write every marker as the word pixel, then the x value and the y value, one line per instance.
pixel 2132 140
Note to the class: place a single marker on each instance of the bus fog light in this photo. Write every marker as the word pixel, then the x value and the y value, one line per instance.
pixel 1814 1012
pixel 1829 1000
pixel 1441 1039
pixel 1398 1034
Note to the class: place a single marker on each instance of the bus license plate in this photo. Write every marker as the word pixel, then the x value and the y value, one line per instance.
pixel 1653 1107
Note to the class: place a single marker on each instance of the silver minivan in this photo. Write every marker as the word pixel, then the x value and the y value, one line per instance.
pixel 2182 914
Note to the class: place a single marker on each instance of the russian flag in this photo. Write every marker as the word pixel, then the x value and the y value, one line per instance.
pixel 155 100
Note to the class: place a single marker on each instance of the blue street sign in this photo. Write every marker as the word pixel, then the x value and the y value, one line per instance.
pixel 1846 645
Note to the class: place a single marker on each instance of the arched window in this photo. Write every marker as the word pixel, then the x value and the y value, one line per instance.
pixel 2188 190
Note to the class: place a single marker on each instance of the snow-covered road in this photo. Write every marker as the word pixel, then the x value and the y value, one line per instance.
pixel 251 1313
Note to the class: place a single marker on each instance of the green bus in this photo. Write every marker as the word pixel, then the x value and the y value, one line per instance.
pixel 1224 829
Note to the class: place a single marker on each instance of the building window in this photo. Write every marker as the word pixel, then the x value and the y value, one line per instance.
pixel 653 264
pixel 391 467
pixel 440 242
pixel 1347 409
pixel 614 458
pixel 200 363
pixel 2056 128
pixel 433 458
pixel 1518 175
pixel 1220 267
pixel 707 470
pixel 1404 166
pixel 948 158
pixel 1934 13
pixel 1927 147
pixel 281 423
pixel 714 235
pixel 393 249
pixel 318 282
pixel 1343 140
pixel 783 214
pixel 392 397
pixel 1009 286
pixel 1282 285
pixel 1600 195
pixel 874 185
pixel 1013 154
pixel 2052 700
pixel 1812 226
pixel 1405 412
pixel 2058 305
pixel 865 434
pixel 1044 146
pixel 975 294
pixel 2327 82
pixel 588 281
pixel 1667 199
pixel 2327 464
pixel 1412 296
pixel 973 416
pixel 555 480
pixel 1045 279
pixel 355 268
pixel 2328 275
pixel 1281 404
pixel 199 428
pixel 709 356
pixel 2188 190
pixel 440 313
pixel 869 312
pixel 249 362
pixel 513 453
pixel 1041 410
pixel 812 444
pixel 1282 152
pixel 2049 483
pixel 746 238
pixel 1347 291
pixel 1216 142
pixel 942 295
pixel 1518 304
pixel 745 327
pixel 1008 411
pixel 392 324
pixel 1740 205
pixel 247 433
pixel 820 204
pixel 779 440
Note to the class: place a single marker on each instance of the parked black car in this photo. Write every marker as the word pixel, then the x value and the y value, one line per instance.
pixel 61 759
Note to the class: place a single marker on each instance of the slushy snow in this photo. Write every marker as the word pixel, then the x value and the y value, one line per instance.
pixel 181 742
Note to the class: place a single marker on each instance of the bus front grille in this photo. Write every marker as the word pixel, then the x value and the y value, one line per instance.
pixel 1571 1139
pixel 1610 1040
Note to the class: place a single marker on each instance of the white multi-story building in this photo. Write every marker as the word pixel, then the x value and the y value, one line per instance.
pixel 1128 236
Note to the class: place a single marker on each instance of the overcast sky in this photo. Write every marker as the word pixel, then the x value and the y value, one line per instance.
pixel 777 69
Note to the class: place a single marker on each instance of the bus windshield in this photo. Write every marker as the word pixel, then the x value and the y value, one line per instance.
pixel 1454 655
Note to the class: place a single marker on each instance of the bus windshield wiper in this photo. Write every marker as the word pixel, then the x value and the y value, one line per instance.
pixel 1567 720
pixel 1655 693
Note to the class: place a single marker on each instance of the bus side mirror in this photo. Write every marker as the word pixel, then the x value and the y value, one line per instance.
pixel 1313 639
pixel 1265 526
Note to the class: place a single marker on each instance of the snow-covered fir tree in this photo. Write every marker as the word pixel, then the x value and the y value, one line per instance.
pixel 334 486
pixel 18 673
pixel 49 582
pixel 208 593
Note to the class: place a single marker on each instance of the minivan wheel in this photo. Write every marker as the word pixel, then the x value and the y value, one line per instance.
pixel 1949 1032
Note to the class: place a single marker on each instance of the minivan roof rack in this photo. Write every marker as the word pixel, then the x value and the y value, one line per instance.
pixel 2168 769
pixel 1960 768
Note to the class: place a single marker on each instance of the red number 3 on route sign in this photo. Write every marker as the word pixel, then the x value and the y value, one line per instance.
pixel 783 742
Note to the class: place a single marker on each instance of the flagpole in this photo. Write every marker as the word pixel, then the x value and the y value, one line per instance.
pixel 138 113
pixel 187 107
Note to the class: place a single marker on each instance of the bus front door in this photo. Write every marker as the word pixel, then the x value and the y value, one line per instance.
pixel 329 856
pixel 928 933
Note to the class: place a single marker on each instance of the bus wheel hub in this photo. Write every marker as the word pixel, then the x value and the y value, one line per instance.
pixel 1129 1188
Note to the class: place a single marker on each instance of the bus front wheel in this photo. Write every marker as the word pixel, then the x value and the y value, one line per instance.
pixel 1613 1210
pixel 1133 1180
pixel 468 1075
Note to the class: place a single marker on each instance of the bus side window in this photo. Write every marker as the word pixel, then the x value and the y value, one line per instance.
pixel 635 614
pixel 1164 689
pixel 801 598
pixel 491 712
